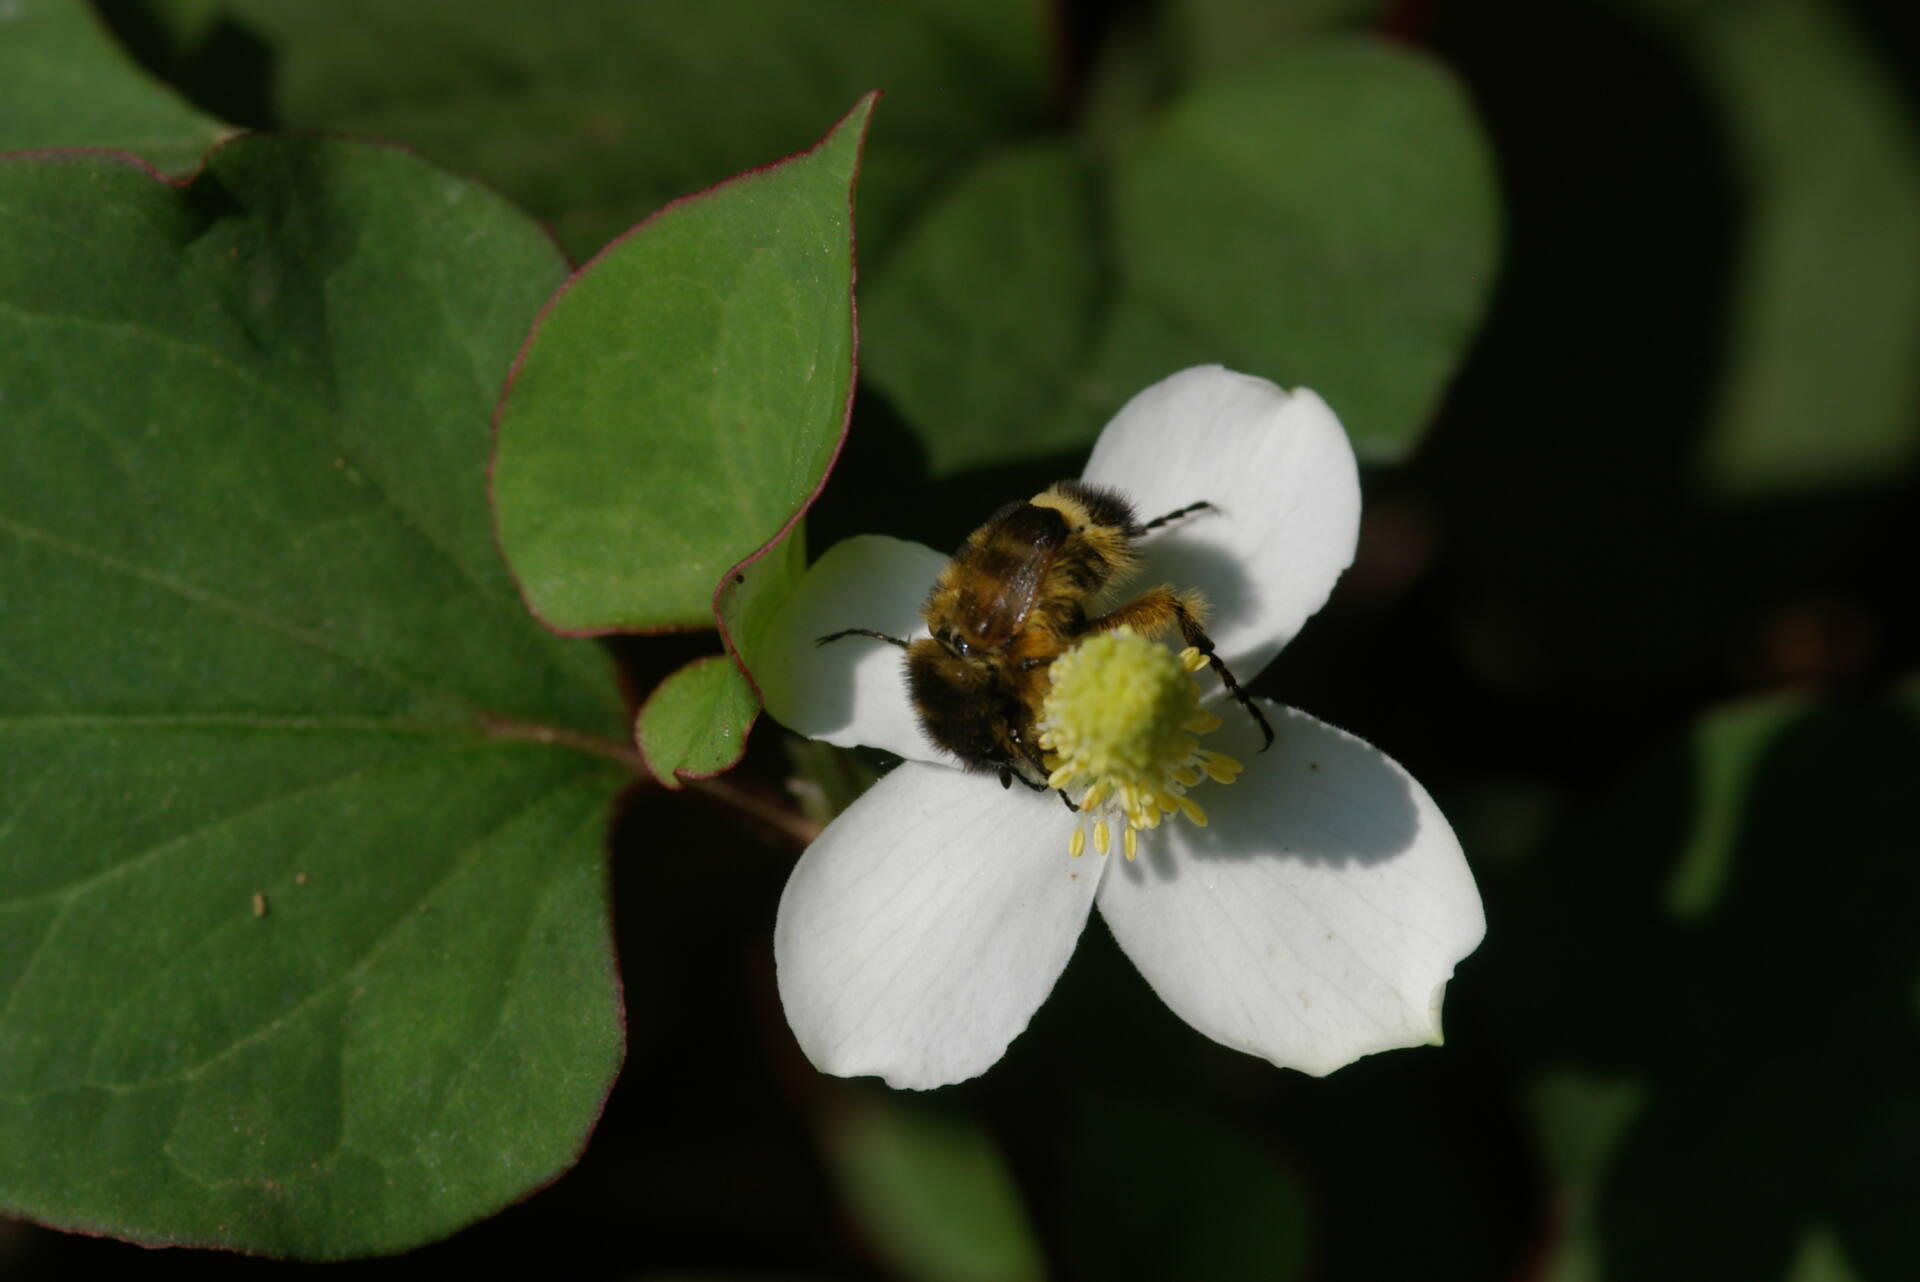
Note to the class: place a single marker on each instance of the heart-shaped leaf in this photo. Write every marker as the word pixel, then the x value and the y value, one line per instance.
pixel 303 912
pixel 1323 216
pixel 680 400
pixel 694 723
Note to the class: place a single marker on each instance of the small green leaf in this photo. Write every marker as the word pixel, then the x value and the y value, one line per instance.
pixel 1819 385
pixel 932 1192
pixel 303 905
pixel 980 331
pixel 680 400
pixel 694 723
pixel 1725 761
pixel 593 115
pixel 1323 216
pixel 1580 1119
pixel 1820 1259
pixel 64 83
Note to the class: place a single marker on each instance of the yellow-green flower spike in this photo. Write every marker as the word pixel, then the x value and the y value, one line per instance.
pixel 1120 728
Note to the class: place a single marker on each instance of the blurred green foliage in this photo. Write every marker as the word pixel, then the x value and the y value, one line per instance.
pixel 930 1190
pixel 69 85
pixel 1625 605
pixel 1825 299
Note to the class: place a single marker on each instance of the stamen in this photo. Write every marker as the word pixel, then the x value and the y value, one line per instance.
pixel 1220 767
pixel 1120 728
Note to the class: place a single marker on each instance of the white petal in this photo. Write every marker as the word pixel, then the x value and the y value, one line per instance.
pixel 850 691
pixel 923 928
pixel 1319 916
pixel 1280 470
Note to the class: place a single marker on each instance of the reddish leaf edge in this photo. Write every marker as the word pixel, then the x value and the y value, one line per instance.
pixel 863 105
pixel 673 780
pixel 736 574
pixel 573 1160
pixel 125 157
pixel 89 1229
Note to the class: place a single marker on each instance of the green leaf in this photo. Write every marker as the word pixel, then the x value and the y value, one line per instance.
pixel 680 400
pixel 932 1192
pixel 980 331
pixel 594 115
pixel 64 83
pixel 1323 216
pixel 1819 386
pixel 1818 1258
pixel 744 605
pixel 1146 53
pixel 303 905
pixel 694 723
pixel 1580 1118
pixel 1724 763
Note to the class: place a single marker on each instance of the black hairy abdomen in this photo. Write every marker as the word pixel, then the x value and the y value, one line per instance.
pixel 1104 506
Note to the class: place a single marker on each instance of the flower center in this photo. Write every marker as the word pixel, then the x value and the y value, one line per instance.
pixel 1120 728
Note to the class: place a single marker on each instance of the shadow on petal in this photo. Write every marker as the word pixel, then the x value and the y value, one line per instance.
pixel 1320 915
pixel 1281 474
pixel 851 691
pixel 1186 555
pixel 1319 797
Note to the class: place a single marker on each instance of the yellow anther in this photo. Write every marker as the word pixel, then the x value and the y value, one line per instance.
pixel 1220 768
pixel 1119 729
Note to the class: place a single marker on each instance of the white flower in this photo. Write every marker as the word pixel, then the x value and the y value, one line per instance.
pixel 1315 919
